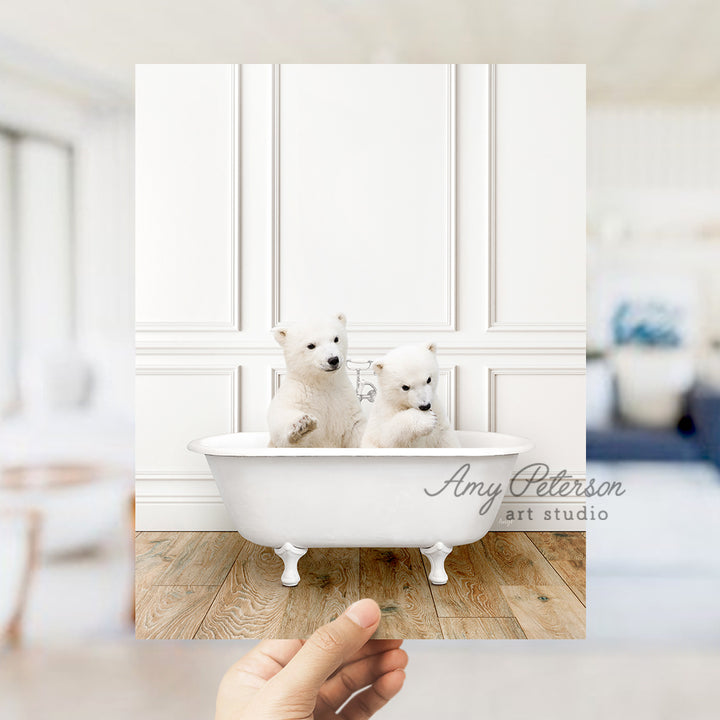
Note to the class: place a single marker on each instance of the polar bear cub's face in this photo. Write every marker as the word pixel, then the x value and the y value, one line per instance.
pixel 314 347
pixel 408 376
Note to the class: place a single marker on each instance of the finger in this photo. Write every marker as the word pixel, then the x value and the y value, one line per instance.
pixel 365 704
pixel 327 649
pixel 264 661
pixel 358 675
pixel 374 647
pixel 280 651
pixel 245 677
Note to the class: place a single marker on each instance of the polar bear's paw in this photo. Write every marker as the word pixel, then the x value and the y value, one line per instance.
pixel 302 426
pixel 425 421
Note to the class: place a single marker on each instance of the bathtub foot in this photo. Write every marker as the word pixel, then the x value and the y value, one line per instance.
pixel 437 554
pixel 290 556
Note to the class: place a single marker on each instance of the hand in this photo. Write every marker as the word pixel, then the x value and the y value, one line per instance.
pixel 312 679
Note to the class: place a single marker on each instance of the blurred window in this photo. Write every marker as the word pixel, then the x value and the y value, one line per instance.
pixel 37 264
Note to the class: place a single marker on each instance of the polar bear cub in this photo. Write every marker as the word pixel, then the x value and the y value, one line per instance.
pixel 316 404
pixel 407 411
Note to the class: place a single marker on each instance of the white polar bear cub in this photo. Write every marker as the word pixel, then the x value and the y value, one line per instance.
pixel 316 405
pixel 407 411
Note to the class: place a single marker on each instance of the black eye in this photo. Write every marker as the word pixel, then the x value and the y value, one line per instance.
pixel 405 387
pixel 429 379
pixel 311 346
pixel 336 340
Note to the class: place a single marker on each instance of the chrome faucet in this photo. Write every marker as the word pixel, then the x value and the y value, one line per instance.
pixel 363 389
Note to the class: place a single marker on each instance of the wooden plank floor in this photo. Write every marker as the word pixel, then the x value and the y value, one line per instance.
pixel 509 585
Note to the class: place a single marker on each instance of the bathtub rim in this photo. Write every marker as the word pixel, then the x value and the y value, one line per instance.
pixel 228 446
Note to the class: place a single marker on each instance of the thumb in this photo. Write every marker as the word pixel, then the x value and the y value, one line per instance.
pixel 328 648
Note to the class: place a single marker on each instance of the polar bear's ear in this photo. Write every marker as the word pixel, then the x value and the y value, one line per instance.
pixel 280 334
pixel 377 366
pixel 432 347
pixel 342 318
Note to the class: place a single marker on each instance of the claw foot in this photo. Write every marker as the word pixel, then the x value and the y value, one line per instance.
pixel 290 556
pixel 437 554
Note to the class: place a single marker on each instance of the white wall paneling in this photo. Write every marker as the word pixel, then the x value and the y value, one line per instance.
pixel 187 197
pixel 546 404
pixel 364 194
pixel 399 195
pixel 175 405
pixel 536 279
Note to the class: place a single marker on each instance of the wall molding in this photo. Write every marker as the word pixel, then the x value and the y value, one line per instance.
pixel 450 249
pixel 536 327
pixel 177 499
pixel 492 373
pixel 450 372
pixel 493 324
pixel 149 475
pixel 258 347
pixel 233 372
pixel 233 324
pixel 275 186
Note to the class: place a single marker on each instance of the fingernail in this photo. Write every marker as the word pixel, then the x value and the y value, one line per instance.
pixel 364 613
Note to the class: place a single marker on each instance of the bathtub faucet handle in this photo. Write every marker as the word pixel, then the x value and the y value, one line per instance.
pixel 363 389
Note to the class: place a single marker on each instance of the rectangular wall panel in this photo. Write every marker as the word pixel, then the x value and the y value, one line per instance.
pixel 537 253
pixel 545 405
pixel 175 405
pixel 364 194
pixel 186 209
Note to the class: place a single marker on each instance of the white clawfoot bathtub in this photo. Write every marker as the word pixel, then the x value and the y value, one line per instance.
pixel 294 499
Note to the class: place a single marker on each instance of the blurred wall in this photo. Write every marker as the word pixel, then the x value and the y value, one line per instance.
pixel 7 314
pixel 654 210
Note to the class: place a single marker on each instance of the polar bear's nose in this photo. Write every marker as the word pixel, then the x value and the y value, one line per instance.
pixel 334 360
pixel 425 407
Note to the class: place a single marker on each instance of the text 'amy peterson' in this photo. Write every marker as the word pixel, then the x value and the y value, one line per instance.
pixel 560 485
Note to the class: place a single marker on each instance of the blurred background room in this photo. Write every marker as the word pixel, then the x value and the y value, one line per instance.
pixel 66 348
pixel 653 366
pixel 66 392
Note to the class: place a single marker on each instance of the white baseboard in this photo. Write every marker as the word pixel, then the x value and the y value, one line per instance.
pixel 186 513
pixel 181 514
pixel 534 515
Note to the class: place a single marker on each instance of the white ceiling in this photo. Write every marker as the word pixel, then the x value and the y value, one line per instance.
pixel 636 50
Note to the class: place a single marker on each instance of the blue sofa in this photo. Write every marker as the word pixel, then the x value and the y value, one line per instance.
pixel 697 436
